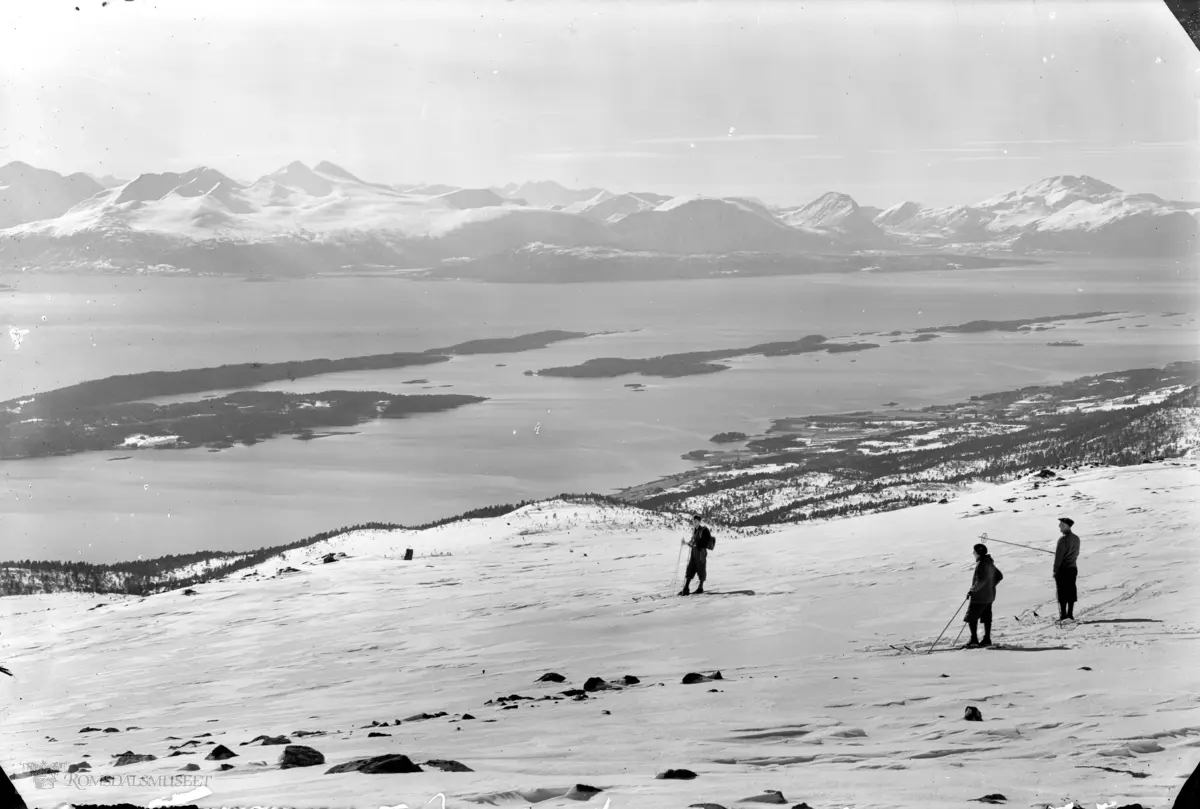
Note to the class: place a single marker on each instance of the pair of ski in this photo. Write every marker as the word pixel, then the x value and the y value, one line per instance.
pixel 906 648
pixel 659 597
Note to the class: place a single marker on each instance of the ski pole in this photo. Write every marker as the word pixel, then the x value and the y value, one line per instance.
pixel 939 637
pixel 986 538
pixel 678 556
pixel 958 637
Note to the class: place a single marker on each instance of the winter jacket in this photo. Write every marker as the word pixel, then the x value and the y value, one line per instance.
pixel 1067 553
pixel 700 541
pixel 983 584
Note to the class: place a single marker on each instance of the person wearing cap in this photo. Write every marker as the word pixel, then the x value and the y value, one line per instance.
pixel 982 595
pixel 1066 571
pixel 701 543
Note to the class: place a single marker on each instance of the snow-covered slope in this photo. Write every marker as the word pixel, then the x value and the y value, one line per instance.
pixel 607 207
pixel 819 698
pixel 301 219
pixel 549 194
pixel 706 225
pixel 28 194
pixel 838 215
pixel 1069 213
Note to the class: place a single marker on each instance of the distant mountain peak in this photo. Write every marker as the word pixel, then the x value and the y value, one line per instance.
pixel 298 176
pixel 334 170
pixel 548 193
pixel 1054 192
pixel 900 212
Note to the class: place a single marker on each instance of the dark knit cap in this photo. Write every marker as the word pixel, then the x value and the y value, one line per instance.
pixel 981 549
pixel 1070 523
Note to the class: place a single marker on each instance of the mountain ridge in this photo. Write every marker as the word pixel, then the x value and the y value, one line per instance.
pixel 328 218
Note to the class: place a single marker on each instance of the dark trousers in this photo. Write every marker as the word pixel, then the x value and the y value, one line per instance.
pixel 697 567
pixel 977 613
pixel 1068 593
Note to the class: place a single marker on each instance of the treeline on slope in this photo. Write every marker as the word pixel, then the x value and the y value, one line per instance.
pixel 144 577
pixel 1119 437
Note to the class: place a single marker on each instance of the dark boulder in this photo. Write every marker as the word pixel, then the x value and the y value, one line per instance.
pixel 379 765
pixel 768 796
pixel 676 775
pixel 298 755
pixel 973 714
pixel 582 792
pixel 392 763
pixel 220 753
pixel 551 677
pixel 447 765
pixel 629 679
pixel 127 758
pixel 596 684
pixel 421 716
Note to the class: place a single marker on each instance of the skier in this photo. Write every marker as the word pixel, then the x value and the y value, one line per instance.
pixel 701 543
pixel 982 595
pixel 1066 556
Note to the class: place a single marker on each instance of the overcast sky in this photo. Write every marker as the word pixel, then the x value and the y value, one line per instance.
pixel 940 102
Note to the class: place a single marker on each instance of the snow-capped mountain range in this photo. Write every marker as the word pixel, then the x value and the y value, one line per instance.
pixel 325 218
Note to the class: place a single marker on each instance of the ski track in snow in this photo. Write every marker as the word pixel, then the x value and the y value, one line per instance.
pixel 827 694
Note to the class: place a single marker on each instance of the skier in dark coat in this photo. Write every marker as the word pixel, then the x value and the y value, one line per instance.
pixel 1066 558
pixel 701 543
pixel 982 595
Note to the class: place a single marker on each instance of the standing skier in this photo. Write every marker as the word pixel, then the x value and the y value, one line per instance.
pixel 982 595
pixel 1066 557
pixel 701 543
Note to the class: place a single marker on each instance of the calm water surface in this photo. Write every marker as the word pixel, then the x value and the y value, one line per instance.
pixel 536 437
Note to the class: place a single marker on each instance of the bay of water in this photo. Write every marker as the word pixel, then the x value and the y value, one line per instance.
pixel 536 436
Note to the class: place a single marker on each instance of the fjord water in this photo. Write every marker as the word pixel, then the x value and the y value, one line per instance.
pixel 536 436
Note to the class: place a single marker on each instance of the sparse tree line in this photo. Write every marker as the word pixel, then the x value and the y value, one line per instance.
pixel 144 577
pixel 1119 437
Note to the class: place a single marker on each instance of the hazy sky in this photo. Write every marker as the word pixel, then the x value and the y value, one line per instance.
pixel 940 102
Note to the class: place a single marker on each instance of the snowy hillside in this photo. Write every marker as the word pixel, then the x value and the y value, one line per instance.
pixel 700 225
pixel 548 194
pixel 1065 213
pixel 28 193
pixel 838 215
pixel 826 695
